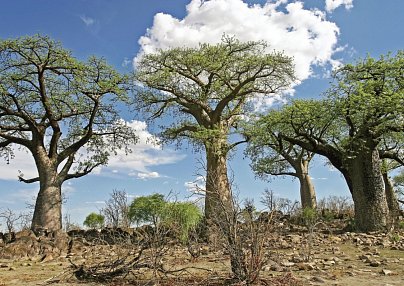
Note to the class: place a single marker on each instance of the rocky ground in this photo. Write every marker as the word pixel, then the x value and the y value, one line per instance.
pixel 293 257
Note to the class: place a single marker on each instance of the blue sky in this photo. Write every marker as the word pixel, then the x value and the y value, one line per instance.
pixel 327 33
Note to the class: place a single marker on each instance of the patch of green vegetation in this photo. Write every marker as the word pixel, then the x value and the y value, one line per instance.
pixel 395 237
pixel 328 215
pixel 351 225
pixel 309 216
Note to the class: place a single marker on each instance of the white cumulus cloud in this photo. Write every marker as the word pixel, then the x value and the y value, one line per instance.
pixel 22 161
pixel 148 175
pixel 331 5
pixel 287 26
pixel 197 186
pixel 145 154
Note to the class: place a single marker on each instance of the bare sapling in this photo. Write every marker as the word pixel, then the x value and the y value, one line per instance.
pixel 245 237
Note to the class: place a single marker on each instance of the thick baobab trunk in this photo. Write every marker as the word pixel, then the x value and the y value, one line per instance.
pixel 307 192
pixel 48 209
pixel 371 209
pixel 218 200
pixel 48 205
pixel 391 197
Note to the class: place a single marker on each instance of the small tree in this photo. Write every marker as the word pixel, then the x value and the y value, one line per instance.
pixel 147 209
pixel 94 220
pixel 10 218
pixel 116 210
pixel 310 219
pixel 178 217
pixel 245 242
pixel 399 184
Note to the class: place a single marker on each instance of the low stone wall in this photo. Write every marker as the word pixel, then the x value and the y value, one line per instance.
pixel 44 245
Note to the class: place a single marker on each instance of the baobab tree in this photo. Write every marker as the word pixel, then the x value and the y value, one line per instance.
pixel 206 91
pixel 271 156
pixel 364 107
pixel 63 111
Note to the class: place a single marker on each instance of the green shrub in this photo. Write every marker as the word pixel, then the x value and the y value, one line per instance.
pixel 181 217
pixel 178 217
pixel 395 237
pixel 309 216
pixel 94 220
pixel 351 225
pixel 328 215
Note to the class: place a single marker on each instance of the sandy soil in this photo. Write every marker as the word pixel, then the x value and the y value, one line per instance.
pixel 333 261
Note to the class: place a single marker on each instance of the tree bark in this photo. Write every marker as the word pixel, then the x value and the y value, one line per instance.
pixel 392 202
pixel 307 192
pixel 363 175
pixel 48 205
pixel 218 200
pixel 371 209
pixel 48 209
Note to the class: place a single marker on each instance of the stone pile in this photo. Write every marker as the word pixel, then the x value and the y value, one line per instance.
pixel 35 246
pixel 45 246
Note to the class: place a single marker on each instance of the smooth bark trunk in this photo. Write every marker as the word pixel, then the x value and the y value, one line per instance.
pixel 48 209
pixel 218 193
pixel 218 200
pixel 371 210
pixel 48 205
pixel 391 197
pixel 307 192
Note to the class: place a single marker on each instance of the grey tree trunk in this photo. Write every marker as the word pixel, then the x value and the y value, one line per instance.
pixel 371 209
pixel 307 192
pixel 218 200
pixel 218 193
pixel 48 205
pixel 391 197
pixel 48 209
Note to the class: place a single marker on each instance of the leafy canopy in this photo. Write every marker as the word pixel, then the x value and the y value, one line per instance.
pixel 53 104
pixel 363 110
pixel 147 209
pixel 207 89
pixel 270 154
pixel 94 220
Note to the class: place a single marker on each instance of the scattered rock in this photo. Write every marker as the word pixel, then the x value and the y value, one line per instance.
pixel 287 263
pixel 297 259
pixel 205 250
pixel 387 272
pixel 375 263
pixel 329 262
pixel 305 266
pixel 294 239
pixel 46 258
pixel 366 258
pixel 335 239
pixel 318 279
